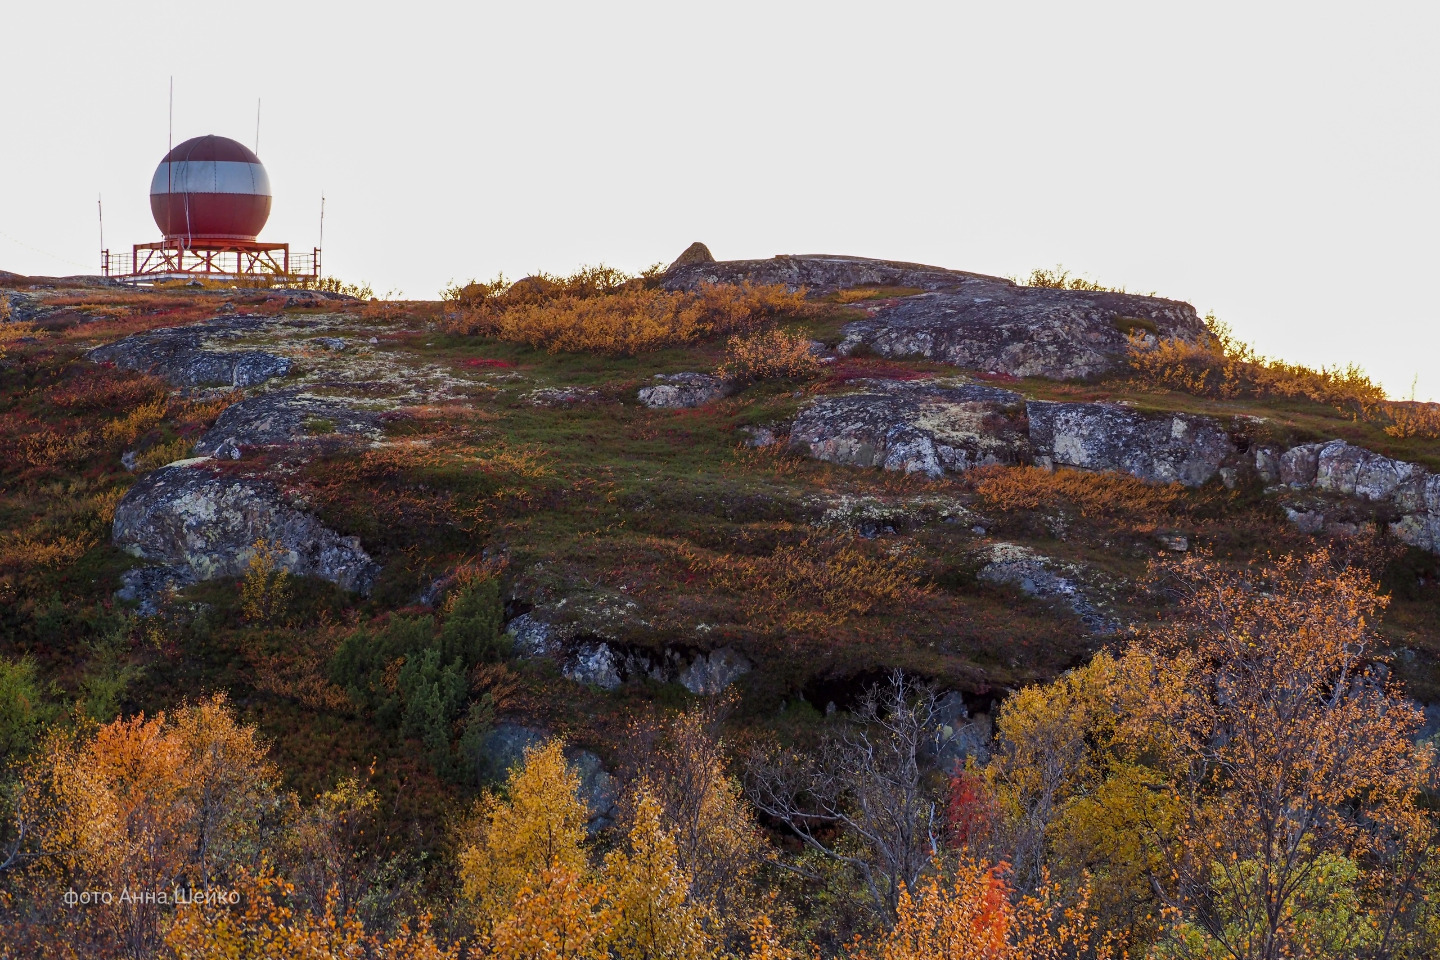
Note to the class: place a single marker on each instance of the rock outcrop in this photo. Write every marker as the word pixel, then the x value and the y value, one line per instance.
pixel 710 673
pixel 1046 579
pixel 934 428
pixel 818 273
pixel 1172 448
pixel 915 427
pixel 1020 331
pixel 685 390
pixel 202 522
pixel 969 320
pixel 1408 494
pixel 696 253
pixel 190 357
pixel 287 417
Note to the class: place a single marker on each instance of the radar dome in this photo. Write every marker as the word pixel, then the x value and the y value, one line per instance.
pixel 210 188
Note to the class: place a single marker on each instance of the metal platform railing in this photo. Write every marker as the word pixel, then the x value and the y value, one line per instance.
pixel 248 261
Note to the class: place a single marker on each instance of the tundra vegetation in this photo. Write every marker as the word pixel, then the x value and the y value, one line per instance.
pixel 923 760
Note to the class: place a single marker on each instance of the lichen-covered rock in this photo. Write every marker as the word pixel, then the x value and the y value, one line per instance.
pixel 532 637
pixel 191 356
pixel 915 427
pixel 148 587
pixel 594 664
pixel 194 518
pixel 1175 448
pixel 1044 578
pixel 709 674
pixel 818 273
pixel 1021 331
pixel 560 396
pixel 1298 465
pixel 871 516
pixel 1267 463
pixel 1408 494
pixel 287 416
pixel 1353 471
pixel 685 390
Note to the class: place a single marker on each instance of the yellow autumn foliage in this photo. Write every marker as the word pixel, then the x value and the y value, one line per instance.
pixel 650 894
pixel 538 826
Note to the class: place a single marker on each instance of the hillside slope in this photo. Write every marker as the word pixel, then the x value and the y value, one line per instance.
pixel 970 485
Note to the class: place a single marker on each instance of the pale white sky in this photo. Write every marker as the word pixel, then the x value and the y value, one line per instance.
pixel 1276 163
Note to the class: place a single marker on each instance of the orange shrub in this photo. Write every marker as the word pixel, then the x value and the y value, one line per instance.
pixel 974 914
pixel 137 422
pixel 1009 489
pixel 50 447
pixel 1410 419
pixel 596 311
pixel 817 583
pixel 11 332
pixel 1226 368
pixel 769 355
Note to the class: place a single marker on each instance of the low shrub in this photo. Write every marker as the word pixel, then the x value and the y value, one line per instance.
pixel 817 583
pixel 1059 278
pixel 601 310
pixel 1225 368
pixel 1011 489
pixel 861 294
pixel 769 355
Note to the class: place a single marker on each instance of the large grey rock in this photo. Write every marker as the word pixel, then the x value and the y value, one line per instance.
pixel 710 673
pixel 696 253
pixel 685 390
pixel 194 518
pixel 968 319
pixel 1298 465
pixel 1041 577
pixel 1353 471
pixel 287 416
pixel 1174 448
pixel 191 356
pixel 915 427
pixel 1341 470
pixel 594 664
pixel 1021 331
pixel 818 273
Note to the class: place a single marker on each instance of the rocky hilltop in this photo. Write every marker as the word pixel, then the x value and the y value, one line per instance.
pixel 968 320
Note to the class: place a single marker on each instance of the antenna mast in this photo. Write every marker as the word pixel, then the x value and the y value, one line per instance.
pixel 322 219
pixel 100 207
pixel 257 126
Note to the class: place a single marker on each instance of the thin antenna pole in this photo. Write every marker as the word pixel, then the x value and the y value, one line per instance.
pixel 104 260
pixel 322 219
pixel 257 126
pixel 169 166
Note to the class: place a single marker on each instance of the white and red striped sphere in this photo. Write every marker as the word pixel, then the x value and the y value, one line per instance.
pixel 210 188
